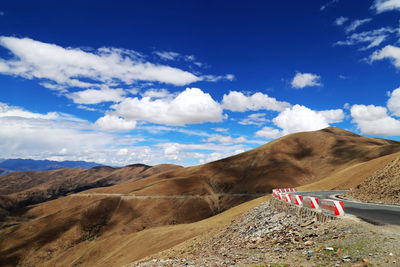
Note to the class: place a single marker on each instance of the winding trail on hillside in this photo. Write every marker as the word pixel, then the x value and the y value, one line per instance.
pixel 379 214
pixel 124 196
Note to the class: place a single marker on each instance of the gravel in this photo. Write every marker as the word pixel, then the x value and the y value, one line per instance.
pixel 266 237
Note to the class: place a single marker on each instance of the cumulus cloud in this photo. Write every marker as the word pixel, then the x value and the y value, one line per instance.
pixel 374 120
pixel 373 38
pixel 237 101
pixel 115 123
pixel 225 139
pixel 332 115
pixel 385 5
pixel 389 52
pixel 300 118
pixel 95 96
pixel 66 66
pixel 189 107
pixel 302 80
pixel 393 103
pixel 269 133
pixel 340 21
pixel 356 23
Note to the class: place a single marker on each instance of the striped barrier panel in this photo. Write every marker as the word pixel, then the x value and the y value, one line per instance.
pixel 310 202
pixel 288 198
pixel 332 207
pixel 297 200
pixel 280 196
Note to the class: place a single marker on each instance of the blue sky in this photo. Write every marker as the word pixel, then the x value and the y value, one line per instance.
pixel 188 82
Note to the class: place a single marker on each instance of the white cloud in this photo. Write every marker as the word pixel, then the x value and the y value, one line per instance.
pixel 10 111
pixel 172 151
pixel 214 156
pixel 59 136
pixel 165 55
pixel 225 139
pixel 386 5
pixel 220 129
pixel 356 23
pixel 374 120
pixel 254 119
pixel 340 21
pixel 302 80
pixel 66 66
pixel 332 115
pixel 300 118
pixel 170 55
pixel 177 151
pixel 85 108
pixel 122 152
pixel 156 129
pixel 115 123
pixel 157 93
pixel 389 52
pixel 189 58
pixel 94 96
pixel 189 107
pixel 269 133
pixel 328 4
pixel 237 101
pixel 393 103
pixel 216 78
pixel 374 37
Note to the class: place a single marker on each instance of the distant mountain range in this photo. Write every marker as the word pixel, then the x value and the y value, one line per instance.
pixel 12 165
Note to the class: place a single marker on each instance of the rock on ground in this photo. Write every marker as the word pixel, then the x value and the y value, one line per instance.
pixel 265 237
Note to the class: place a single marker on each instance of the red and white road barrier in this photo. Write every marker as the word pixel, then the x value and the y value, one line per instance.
pixel 280 196
pixel 310 202
pixel 333 207
pixel 288 198
pixel 297 200
pixel 284 190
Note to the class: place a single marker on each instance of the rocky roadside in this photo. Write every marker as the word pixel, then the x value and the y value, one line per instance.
pixel 381 187
pixel 265 237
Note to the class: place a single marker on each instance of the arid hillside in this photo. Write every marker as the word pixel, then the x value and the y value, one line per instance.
pixel 381 187
pixel 133 219
pixel 20 189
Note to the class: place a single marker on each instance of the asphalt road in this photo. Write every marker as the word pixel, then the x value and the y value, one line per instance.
pixel 378 214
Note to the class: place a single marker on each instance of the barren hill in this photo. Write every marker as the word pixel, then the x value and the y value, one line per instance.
pixel 25 188
pixel 125 222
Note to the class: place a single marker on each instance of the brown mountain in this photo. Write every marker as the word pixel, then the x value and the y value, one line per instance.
pixel 118 224
pixel 20 189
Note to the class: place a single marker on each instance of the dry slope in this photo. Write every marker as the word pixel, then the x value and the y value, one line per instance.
pixel 381 187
